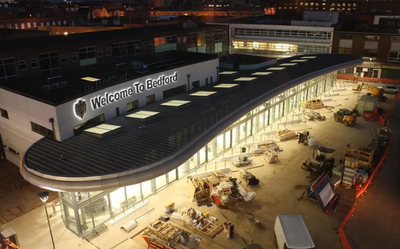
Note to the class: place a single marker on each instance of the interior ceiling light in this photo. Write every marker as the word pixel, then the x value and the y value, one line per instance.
pixel 225 85
pixel 261 73
pixel 203 93
pixel 141 114
pixel 175 103
pixel 245 79
pixel 91 79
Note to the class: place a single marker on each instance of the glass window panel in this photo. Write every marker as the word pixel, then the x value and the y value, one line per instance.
pixel 100 210
pixel 220 143
pixel 202 155
pixel 228 139
pixel 161 182
pixel 134 191
pixel 85 217
pixel 183 170
pixel 212 150
pixel 69 218
pixel 146 189
pixel 235 136
pixel 117 197
pixel 193 162
pixel 242 131
pixel 172 176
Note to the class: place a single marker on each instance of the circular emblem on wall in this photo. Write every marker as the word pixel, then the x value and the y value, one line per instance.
pixel 80 108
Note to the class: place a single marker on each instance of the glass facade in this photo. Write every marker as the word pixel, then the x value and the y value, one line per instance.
pixel 83 211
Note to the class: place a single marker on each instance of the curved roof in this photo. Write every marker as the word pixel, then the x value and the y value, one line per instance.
pixel 134 155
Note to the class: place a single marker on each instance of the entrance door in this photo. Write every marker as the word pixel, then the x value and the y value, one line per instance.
pixel 2 152
pixel 375 73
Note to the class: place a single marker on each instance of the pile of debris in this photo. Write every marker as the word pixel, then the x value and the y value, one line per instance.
pixel 314 104
pixel 311 116
pixel 286 134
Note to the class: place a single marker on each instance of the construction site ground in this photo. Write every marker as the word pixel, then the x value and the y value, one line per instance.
pixel 280 191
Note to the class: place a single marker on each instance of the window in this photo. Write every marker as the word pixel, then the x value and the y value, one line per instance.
pixel 370 53
pixel 394 56
pixel 64 58
pixel 74 57
pixel 108 51
pixel 132 105
pixel 49 61
pixel 100 53
pixel 41 130
pixel 134 47
pixel 21 65
pixel 165 43
pixel 344 51
pixel 87 56
pixel 144 45
pixel 372 37
pixel 8 70
pixel 395 39
pixel 4 113
pixel 119 49
pixel 34 63
pixel 346 36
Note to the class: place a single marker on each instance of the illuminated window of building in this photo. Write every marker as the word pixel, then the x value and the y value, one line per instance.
pixel 333 4
pixel 338 5
pixel 311 4
pixel 394 56
pixel 354 4
pixel 372 37
pixel 87 56
pixel 349 4
pixel 348 8
pixel 201 42
pixel 301 3
pixel 165 43
pixel 323 4
pixel 284 8
pixel 316 4
pixel 305 4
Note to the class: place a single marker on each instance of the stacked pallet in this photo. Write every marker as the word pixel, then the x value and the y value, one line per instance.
pixel 202 192
pixel 314 104
pixel 286 134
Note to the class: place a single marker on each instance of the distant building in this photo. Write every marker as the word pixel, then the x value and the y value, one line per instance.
pixel 274 37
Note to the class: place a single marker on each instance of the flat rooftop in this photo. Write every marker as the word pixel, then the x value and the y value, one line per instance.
pixel 72 85
pixel 146 148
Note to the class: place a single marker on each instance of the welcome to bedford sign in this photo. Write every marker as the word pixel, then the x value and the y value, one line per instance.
pixel 137 87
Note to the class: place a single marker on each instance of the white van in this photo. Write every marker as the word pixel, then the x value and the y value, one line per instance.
pixel 291 232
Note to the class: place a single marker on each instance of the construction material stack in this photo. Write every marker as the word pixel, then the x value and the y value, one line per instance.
pixel 203 223
pixel 202 191
pixel 162 235
pixel 314 104
pixel 286 134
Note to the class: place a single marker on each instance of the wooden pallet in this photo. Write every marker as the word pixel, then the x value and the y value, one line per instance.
pixel 210 229
pixel 314 104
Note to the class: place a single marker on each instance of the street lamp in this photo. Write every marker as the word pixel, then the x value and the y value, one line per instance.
pixel 44 196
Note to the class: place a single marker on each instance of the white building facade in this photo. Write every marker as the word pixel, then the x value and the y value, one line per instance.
pixel 25 120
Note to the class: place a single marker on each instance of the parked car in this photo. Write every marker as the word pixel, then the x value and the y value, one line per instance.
pixel 391 89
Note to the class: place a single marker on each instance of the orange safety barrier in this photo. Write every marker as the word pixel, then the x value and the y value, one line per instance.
pixel 369 79
pixel 342 236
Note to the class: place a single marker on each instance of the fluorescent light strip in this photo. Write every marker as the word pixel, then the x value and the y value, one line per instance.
pixel 288 64
pixel 91 79
pixel 141 114
pixel 228 72
pixel 225 85
pixel 276 68
pixel 245 79
pixel 175 103
pixel 202 93
pixel 261 73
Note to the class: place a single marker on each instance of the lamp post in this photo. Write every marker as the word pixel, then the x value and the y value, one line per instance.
pixel 44 196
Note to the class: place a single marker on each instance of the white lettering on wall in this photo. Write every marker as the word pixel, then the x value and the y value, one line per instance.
pixel 137 87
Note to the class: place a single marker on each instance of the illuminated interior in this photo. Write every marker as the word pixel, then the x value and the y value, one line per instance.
pixel 91 79
pixel 279 48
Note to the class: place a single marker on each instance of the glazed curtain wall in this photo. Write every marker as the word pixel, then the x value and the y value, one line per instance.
pixel 83 211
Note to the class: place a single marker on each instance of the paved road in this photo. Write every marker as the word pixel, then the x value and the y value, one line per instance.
pixel 376 221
